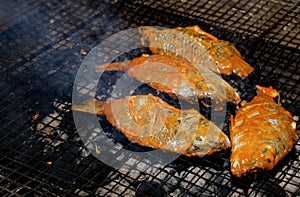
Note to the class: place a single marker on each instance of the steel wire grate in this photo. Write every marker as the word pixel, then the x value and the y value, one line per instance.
pixel 275 21
pixel 41 153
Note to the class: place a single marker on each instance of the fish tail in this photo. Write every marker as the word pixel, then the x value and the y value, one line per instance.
pixel 92 106
pixel 145 33
pixel 114 66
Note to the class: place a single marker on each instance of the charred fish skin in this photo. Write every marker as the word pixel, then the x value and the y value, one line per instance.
pixel 177 76
pixel 151 122
pixel 198 46
pixel 262 133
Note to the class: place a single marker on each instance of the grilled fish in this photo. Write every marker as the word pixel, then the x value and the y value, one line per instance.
pixel 177 76
pixel 261 133
pixel 198 46
pixel 150 121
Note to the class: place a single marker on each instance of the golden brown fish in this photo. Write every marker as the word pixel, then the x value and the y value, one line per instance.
pixel 261 133
pixel 177 76
pixel 149 121
pixel 198 46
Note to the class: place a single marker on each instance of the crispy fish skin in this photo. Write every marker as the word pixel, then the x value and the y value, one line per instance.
pixel 198 46
pixel 150 121
pixel 178 76
pixel 261 134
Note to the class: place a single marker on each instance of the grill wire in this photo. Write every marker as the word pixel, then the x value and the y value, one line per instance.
pixel 41 153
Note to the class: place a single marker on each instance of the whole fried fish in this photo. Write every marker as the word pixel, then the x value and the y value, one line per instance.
pixel 150 121
pixel 198 46
pixel 177 76
pixel 261 133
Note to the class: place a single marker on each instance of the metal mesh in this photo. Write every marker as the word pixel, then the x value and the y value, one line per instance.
pixel 42 46
pixel 276 21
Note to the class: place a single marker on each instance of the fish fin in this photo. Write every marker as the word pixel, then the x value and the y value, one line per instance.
pixel 197 29
pixel 269 91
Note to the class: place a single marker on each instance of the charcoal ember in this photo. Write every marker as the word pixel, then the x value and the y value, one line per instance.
pixel 290 175
pixel 150 188
pixel 195 178
pixel 84 152
pixel 81 193
pixel 267 187
pixel 117 184
pixel 237 192
pixel 178 192
pixel 50 131
pixel 297 146
pixel 167 177
pixel 147 181
pixel 223 184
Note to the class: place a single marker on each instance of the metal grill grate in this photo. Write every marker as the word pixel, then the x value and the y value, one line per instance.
pixel 275 21
pixel 41 153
